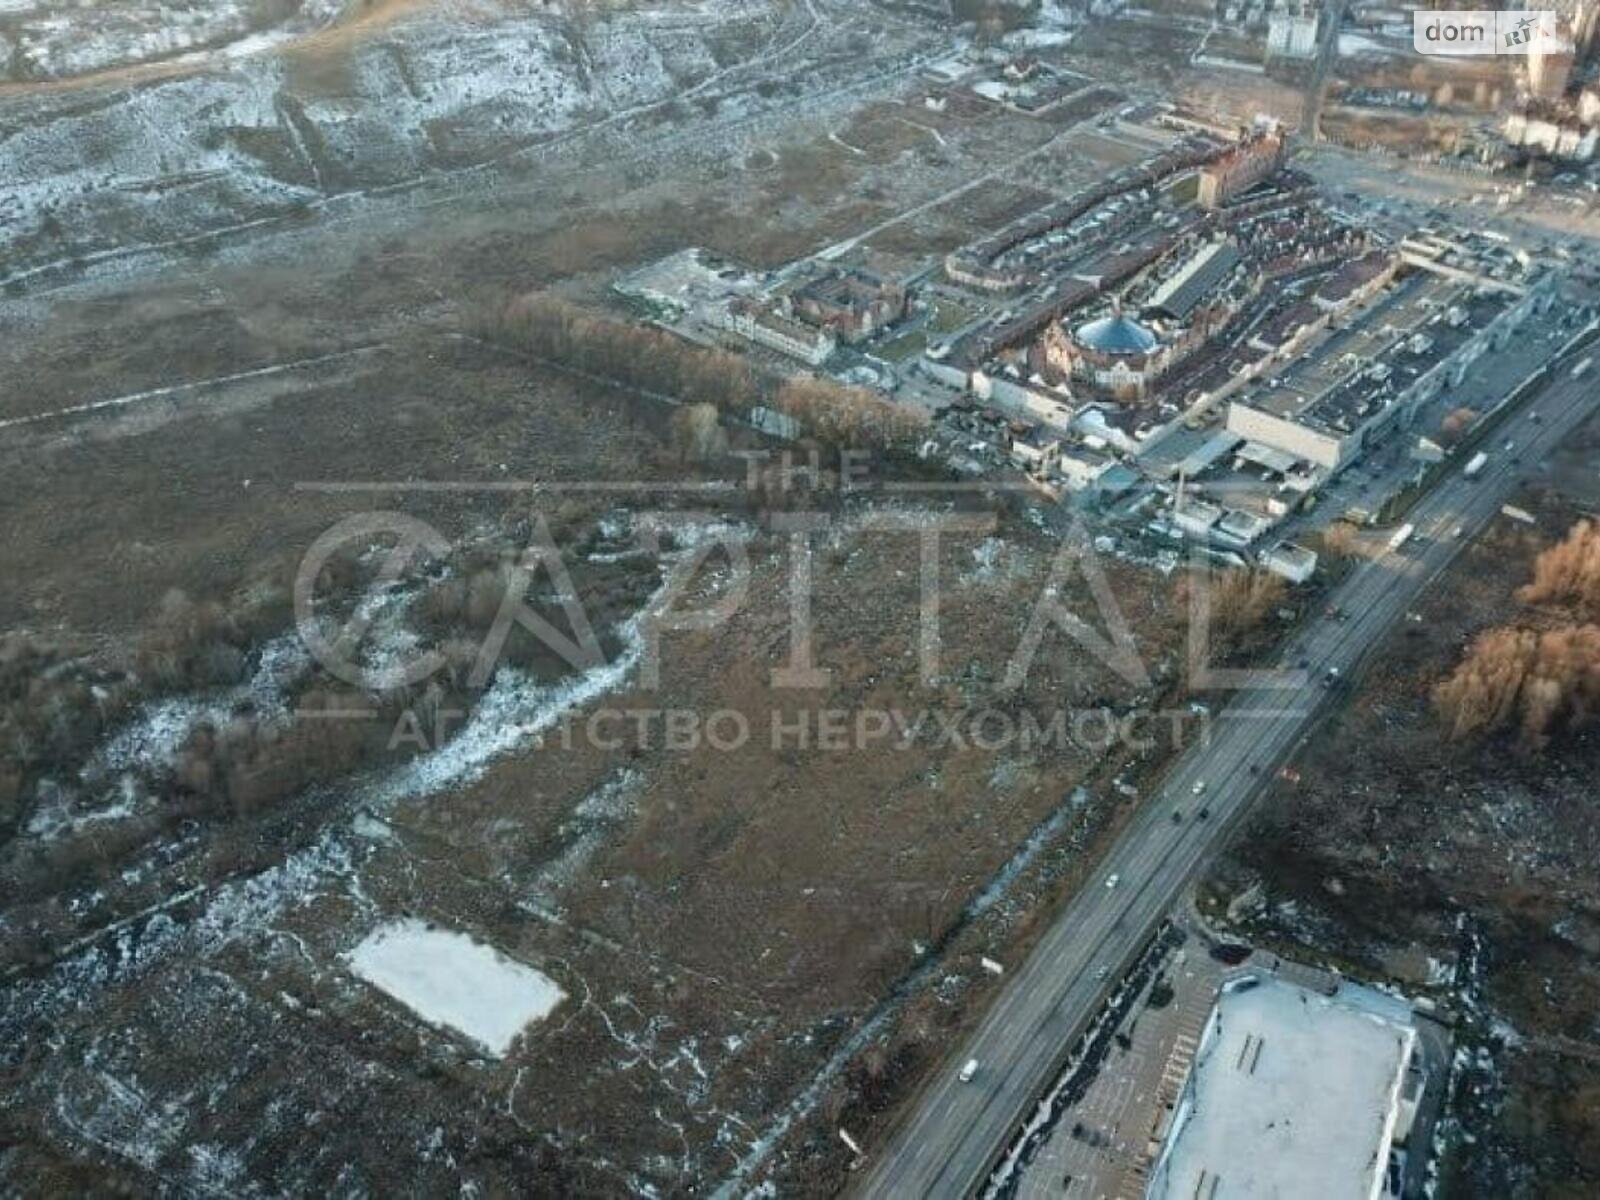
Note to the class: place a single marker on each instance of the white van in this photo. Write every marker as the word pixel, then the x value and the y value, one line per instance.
pixel 968 1070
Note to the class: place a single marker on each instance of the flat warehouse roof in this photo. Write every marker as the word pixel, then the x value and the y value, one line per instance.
pixel 1292 1093
pixel 1328 388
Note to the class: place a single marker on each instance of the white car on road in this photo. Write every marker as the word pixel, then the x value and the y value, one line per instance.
pixel 1113 880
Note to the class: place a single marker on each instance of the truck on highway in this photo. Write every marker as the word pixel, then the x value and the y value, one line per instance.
pixel 1402 535
pixel 1578 371
pixel 1475 465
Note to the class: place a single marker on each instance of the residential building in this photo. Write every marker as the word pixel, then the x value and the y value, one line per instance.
pixel 768 327
pixel 1292 33
pixel 1241 168
pixel 855 304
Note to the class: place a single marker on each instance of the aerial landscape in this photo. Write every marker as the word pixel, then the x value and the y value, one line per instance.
pixel 766 598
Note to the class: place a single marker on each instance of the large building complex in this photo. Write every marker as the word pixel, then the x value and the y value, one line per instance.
pixel 1194 363
pixel 1293 1093
pixel 1343 388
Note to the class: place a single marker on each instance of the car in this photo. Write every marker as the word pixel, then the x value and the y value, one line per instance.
pixel 1204 814
pixel 1102 973
pixel 1509 447
pixel 1535 418
pixel 1113 879
pixel 968 1070
pixel 1304 663
pixel 1177 817
pixel 1199 789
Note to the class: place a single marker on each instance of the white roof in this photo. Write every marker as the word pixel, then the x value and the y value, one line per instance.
pixel 1292 1094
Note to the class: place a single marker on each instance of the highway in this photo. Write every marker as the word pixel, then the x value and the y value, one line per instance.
pixel 956 1132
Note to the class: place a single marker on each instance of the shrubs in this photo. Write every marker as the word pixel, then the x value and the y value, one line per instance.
pixel 1242 600
pixel 849 416
pixel 248 765
pixel 200 644
pixel 1239 602
pixel 51 714
pixel 1340 540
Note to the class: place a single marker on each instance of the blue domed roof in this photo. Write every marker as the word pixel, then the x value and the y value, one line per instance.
pixel 1115 334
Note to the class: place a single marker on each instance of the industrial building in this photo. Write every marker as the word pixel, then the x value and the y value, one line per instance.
pixel 1362 381
pixel 1293 1092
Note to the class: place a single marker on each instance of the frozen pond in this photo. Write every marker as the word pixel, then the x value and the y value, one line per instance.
pixel 450 980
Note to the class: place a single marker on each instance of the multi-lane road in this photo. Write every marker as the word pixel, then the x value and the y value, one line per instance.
pixel 957 1131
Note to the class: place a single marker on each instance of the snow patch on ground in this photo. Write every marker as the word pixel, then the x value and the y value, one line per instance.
pixel 111 786
pixel 448 979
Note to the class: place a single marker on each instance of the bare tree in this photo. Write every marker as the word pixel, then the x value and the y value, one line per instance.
pixel 697 433
pixel 1568 574
pixel 1535 679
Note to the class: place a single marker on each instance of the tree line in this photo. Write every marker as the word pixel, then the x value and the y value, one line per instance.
pixel 1537 680
pixel 653 360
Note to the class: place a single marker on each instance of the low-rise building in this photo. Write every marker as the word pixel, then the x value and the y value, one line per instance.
pixel 1032 400
pixel 1563 139
pixel 1240 528
pixel 1292 33
pixel 1197 518
pixel 1292 1092
pixel 1292 562
pixel 768 327
pixel 1549 67
pixel 1034 448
